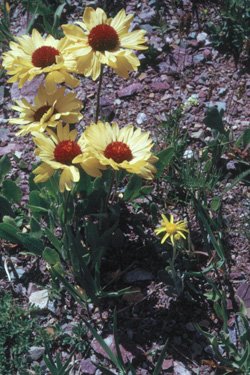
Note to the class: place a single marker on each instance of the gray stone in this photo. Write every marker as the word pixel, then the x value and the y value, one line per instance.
pixel 147 27
pixel 180 369
pixel 141 118
pixel 163 67
pixel 223 91
pixel 202 37
pixel 35 353
pixel 40 299
pixel 4 134
pixel 138 274
pixel 130 90
pixel 147 15
pixel 2 94
pixel 198 58
pixel 200 134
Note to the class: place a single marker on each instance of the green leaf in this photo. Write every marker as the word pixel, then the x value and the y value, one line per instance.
pixel 35 225
pixel 236 180
pixel 31 243
pixel 9 233
pixel 117 240
pixel 133 188
pixel 246 137
pixel 160 359
pixel 243 309
pixel 11 191
pixel 5 166
pixel 117 347
pixel 105 347
pixel 215 203
pixel 37 204
pixel 53 240
pixel 213 120
pixel 51 256
pixel 38 7
pixel 165 157
pixel 5 207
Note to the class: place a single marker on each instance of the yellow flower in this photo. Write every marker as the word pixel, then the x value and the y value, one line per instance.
pixel 121 148
pixel 101 40
pixel 58 152
pixel 33 55
pixel 173 230
pixel 47 110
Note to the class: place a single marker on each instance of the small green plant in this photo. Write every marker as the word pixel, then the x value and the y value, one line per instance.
pixel 231 349
pixel 50 13
pixel 5 34
pixel 117 360
pixel 230 33
pixel 57 368
pixel 18 332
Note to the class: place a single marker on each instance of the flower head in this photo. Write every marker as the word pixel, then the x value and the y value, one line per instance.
pixel 101 40
pixel 121 148
pixel 173 230
pixel 58 152
pixel 33 55
pixel 47 110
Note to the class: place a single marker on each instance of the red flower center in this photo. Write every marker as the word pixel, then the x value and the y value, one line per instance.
pixel 44 56
pixel 41 111
pixel 103 38
pixel 118 151
pixel 66 151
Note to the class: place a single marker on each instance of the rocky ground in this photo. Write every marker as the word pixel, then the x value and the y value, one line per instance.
pixel 180 65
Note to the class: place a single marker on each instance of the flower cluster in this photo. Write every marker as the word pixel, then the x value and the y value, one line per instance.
pixel 85 49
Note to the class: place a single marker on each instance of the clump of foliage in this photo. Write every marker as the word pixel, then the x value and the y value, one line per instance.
pixel 230 34
pixel 18 332
pixel 50 15
pixel 5 34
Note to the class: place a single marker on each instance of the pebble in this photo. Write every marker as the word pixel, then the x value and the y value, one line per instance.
pixel 138 274
pixel 130 90
pixel 35 353
pixel 141 118
pixel 40 299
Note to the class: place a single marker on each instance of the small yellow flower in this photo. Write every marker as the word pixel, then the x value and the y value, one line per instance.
pixel 58 152
pixel 121 148
pixel 33 55
pixel 173 230
pixel 101 40
pixel 47 110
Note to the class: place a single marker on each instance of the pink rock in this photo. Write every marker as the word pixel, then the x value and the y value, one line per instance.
pixel 87 367
pixel 130 90
pixel 28 91
pixel 126 353
pixel 159 86
pixel 11 147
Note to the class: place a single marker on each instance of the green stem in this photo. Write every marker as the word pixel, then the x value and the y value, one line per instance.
pixel 98 95
pixel 110 190
pixel 66 200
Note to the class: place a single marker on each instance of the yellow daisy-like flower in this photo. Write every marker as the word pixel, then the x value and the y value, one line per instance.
pixel 47 110
pixel 173 230
pixel 121 148
pixel 59 152
pixel 33 55
pixel 101 40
